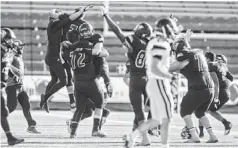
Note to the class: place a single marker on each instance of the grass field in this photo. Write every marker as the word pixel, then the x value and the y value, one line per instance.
pixel 54 132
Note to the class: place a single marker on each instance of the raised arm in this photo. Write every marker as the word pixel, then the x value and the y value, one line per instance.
pixel 115 28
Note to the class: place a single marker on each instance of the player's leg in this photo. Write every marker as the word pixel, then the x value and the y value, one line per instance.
pixel 137 102
pixel 200 112
pixel 188 106
pixel 4 123
pixel 201 132
pixel 70 88
pixel 24 101
pixel 61 75
pixel 96 96
pixel 53 81
pixel 224 96
pixel 11 92
pixel 81 100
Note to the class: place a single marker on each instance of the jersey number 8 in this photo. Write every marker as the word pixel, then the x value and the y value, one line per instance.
pixel 77 60
pixel 140 59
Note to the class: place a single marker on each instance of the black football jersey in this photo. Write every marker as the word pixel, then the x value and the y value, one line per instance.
pixel 136 54
pixel 196 71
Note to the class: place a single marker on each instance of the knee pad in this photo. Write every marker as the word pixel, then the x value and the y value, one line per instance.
pixel 70 89
pixel 199 114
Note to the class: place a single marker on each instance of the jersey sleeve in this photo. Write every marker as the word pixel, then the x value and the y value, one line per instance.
pixel 184 55
pixel 129 43
pixel 58 24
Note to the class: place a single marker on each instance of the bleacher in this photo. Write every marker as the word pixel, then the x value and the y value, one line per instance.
pixel 29 19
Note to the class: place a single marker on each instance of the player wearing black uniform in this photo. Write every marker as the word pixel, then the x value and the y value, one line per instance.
pixel 223 95
pixel 86 84
pixel 16 91
pixel 136 44
pixel 53 56
pixel 192 64
pixel 6 40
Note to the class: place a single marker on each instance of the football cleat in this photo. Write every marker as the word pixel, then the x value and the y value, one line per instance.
pixel 154 131
pixel 73 134
pixel 33 130
pixel 46 107
pixel 212 141
pixel 128 141
pixel 14 140
pixel 99 133
pixel 192 141
pixel 228 127
pixel 185 134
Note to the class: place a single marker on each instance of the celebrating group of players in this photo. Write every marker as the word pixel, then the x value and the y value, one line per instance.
pixel 153 56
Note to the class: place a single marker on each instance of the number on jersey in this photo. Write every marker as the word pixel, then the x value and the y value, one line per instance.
pixel 140 59
pixel 77 60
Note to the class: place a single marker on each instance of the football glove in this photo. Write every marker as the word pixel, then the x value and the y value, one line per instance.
pixel 103 10
pixel 66 44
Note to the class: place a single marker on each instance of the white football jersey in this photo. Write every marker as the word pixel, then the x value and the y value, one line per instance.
pixel 158 48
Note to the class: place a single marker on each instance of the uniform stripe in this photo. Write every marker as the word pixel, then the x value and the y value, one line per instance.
pixel 165 103
pixel 166 94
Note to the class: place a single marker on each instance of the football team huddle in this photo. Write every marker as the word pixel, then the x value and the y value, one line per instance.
pixel 76 59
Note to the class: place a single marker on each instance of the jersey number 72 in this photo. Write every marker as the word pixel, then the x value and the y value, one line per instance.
pixel 77 60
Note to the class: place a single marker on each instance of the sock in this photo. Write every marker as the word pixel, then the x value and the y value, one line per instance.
pixel 9 135
pixel 204 120
pixel 73 126
pixel 149 115
pixel 210 132
pixel 96 124
pixel 70 90
pixel 201 129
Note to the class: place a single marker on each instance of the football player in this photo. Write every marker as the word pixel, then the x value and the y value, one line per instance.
pixel 192 64
pixel 15 91
pixel 57 22
pixel 158 86
pixel 136 45
pixel 7 36
pixel 126 78
pixel 224 80
pixel 86 84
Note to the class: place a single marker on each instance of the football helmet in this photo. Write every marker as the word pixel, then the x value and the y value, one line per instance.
pixel 222 58
pixel 85 30
pixel 143 31
pixel 168 27
pixel 7 35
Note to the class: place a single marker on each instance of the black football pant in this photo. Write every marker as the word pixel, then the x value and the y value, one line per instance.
pixel 12 96
pixel 57 72
pixel 137 94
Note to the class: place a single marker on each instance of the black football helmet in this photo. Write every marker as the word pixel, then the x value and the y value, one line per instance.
pixel 168 27
pixel 85 30
pixel 210 55
pixel 143 31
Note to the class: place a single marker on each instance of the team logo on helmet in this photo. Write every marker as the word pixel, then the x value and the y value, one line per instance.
pixel 85 30
pixel 143 30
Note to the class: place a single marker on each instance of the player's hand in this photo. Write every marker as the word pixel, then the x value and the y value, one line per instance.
pixel 66 44
pixel 103 10
pixel 109 89
pixel 90 6
pixel 188 35
pixel 17 79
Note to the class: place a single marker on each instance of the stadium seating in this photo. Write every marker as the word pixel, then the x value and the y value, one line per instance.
pixel 29 21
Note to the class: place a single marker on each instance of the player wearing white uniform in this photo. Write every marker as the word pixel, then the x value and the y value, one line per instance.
pixel 158 86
